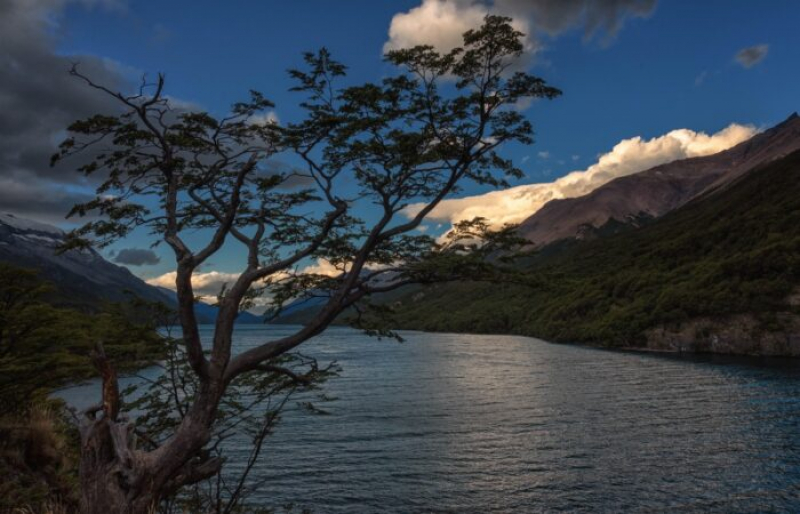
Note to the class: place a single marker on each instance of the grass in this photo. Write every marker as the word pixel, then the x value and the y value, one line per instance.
pixel 38 462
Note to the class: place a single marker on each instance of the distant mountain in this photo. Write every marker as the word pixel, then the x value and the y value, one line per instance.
pixel 208 313
pixel 83 278
pixel 635 200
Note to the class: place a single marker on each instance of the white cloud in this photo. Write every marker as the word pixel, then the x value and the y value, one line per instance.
pixel 323 267
pixel 207 285
pixel 543 154
pixel 440 23
pixel 629 156
pixel 262 119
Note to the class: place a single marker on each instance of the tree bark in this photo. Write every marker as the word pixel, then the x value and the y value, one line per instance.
pixel 116 477
pixel 112 476
pixel 108 484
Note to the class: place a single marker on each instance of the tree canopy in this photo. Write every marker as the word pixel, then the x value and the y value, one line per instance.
pixel 367 151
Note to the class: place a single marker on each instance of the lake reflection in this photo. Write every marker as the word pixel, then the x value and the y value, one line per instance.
pixel 469 423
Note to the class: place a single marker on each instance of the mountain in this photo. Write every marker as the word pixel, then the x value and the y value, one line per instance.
pixel 83 278
pixel 635 200
pixel 719 274
pixel 208 313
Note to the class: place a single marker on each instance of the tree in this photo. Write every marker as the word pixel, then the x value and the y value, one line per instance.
pixel 368 152
pixel 22 311
pixel 43 347
pixel 250 411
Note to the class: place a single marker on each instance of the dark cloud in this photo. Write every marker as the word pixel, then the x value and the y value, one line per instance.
pixel 38 99
pixel 29 196
pixel 594 16
pixel 752 55
pixel 441 23
pixel 136 257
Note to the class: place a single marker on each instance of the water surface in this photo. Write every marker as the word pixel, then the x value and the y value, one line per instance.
pixel 474 423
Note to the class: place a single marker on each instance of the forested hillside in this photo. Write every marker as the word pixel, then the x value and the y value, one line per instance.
pixel 733 252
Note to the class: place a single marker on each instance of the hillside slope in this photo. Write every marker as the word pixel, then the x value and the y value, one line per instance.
pixel 719 274
pixel 638 198
pixel 82 279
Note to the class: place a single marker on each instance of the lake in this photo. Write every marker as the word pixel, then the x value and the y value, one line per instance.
pixel 479 423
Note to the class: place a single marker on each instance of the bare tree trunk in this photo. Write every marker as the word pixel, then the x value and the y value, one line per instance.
pixel 111 477
pixel 116 477
pixel 108 485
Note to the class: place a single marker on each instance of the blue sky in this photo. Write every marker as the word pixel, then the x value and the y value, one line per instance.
pixel 668 65
pixel 641 82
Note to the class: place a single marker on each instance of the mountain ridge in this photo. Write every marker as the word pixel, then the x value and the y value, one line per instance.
pixel 658 190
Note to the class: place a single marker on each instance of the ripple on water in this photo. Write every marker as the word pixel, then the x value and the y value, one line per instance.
pixel 468 423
